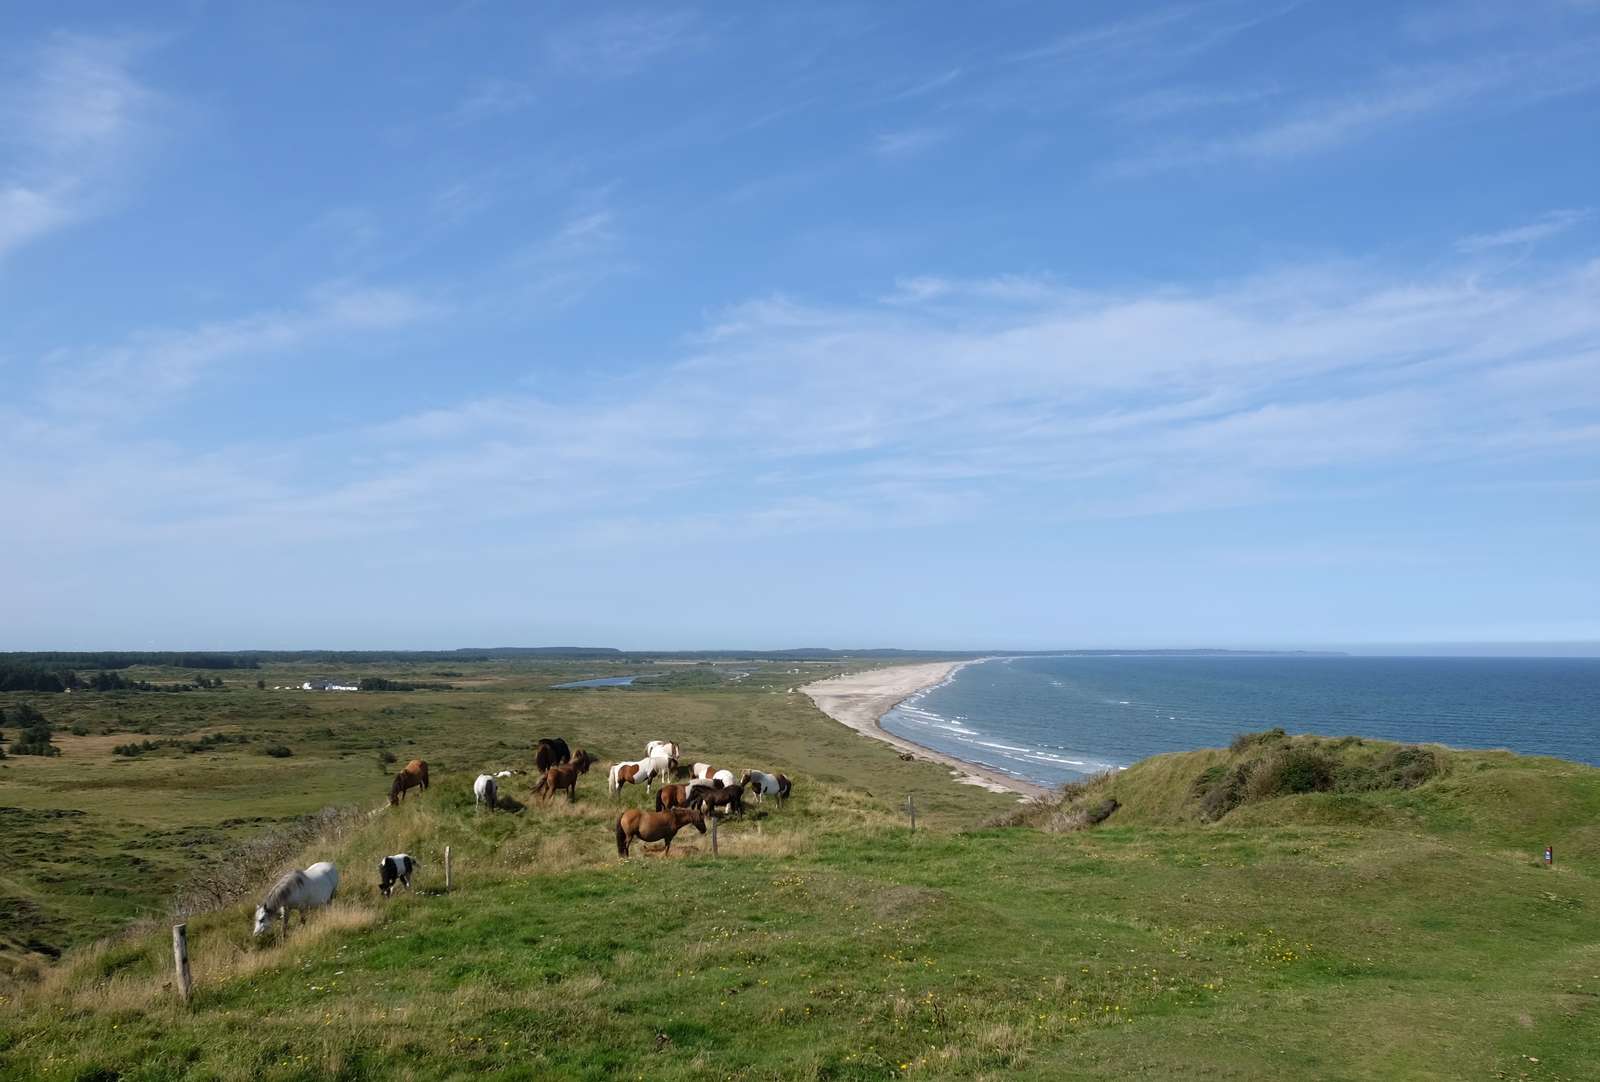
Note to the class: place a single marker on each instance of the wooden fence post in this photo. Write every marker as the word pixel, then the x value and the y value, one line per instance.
pixel 714 836
pixel 447 869
pixel 911 809
pixel 180 960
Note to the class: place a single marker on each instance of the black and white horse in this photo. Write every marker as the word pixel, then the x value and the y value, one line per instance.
pixel 396 869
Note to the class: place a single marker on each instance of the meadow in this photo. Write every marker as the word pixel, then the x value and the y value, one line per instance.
pixel 1391 933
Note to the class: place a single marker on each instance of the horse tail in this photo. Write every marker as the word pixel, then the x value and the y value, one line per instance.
pixel 544 780
pixel 424 775
pixel 783 787
pixel 659 794
pixel 622 839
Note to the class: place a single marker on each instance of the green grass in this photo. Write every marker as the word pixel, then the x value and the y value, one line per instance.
pixel 1379 934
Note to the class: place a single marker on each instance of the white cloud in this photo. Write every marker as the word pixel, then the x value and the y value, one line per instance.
pixel 618 44
pixel 1547 226
pixel 71 130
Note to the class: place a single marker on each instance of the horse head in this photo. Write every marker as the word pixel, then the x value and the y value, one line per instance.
pixel 263 920
pixel 698 818
pixel 583 760
pixel 747 778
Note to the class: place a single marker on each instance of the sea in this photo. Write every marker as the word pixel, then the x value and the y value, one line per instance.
pixel 1054 719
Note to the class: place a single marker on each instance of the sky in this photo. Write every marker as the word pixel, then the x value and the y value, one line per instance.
pixel 924 325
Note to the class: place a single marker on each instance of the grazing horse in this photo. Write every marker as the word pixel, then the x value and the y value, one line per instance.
pixel 300 890
pixel 661 747
pixel 485 791
pixel 655 827
pixel 766 785
pixel 730 798
pixel 707 772
pixel 672 796
pixel 564 776
pixel 549 752
pixel 413 776
pixel 642 772
pixel 506 773
pixel 396 869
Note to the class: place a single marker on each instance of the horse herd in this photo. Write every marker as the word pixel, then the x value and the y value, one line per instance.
pixel 684 796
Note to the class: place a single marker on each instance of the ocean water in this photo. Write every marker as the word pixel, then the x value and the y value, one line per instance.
pixel 1052 719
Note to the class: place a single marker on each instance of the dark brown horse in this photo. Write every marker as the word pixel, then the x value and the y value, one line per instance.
pixel 721 800
pixel 550 752
pixel 660 826
pixel 672 796
pixel 415 775
pixel 564 776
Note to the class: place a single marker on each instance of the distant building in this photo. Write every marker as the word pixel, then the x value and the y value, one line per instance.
pixel 327 685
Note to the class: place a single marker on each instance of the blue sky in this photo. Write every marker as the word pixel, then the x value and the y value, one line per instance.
pixel 943 325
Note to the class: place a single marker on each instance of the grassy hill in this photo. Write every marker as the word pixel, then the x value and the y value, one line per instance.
pixel 1381 924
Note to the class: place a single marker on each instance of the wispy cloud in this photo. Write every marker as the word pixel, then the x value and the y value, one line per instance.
pixel 73 127
pixel 618 44
pixel 908 142
pixel 495 97
pixel 1552 224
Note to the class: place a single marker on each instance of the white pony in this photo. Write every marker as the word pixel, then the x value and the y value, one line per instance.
pixel 644 770
pixel 302 890
pixel 766 785
pixel 661 747
pixel 485 791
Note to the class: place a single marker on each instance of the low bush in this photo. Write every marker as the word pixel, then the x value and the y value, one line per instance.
pixel 277 751
pixel 1245 741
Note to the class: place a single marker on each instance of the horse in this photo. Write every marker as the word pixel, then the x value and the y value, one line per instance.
pixel 655 826
pixel 549 752
pixel 506 773
pixel 730 797
pixel 767 784
pixel 564 776
pixel 661 747
pixel 396 869
pixel 300 890
pixel 485 791
pixel 642 772
pixel 708 772
pixel 413 775
pixel 672 796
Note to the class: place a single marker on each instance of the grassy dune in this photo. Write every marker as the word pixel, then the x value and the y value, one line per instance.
pixel 1366 933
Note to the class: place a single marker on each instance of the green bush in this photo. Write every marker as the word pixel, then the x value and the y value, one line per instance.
pixel 1245 741
pixel 277 751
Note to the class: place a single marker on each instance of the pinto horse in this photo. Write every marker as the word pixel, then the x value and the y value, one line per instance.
pixel 485 791
pixel 413 776
pixel 650 826
pixel 765 785
pixel 642 772
pixel 550 752
pixel 302 890
pixel 564 776
pixel 395 869
pixel 661 747
pixel 707 772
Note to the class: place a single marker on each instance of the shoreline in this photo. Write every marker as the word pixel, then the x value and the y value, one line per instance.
pixel 860 700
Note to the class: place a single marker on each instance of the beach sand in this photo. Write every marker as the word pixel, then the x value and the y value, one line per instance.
pixel 860 699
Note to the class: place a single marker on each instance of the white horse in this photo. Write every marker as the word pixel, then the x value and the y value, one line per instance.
pixel 302 890
pixel 661 747
pixel 765 785
pixel 506 773
pixel 485 791
pixel 643 771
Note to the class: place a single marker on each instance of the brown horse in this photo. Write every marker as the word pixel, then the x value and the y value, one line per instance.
pixel 550 752
pixel 414 775
pixel 730 798
pixel 565 776
pixel 672 796
pixel 655 826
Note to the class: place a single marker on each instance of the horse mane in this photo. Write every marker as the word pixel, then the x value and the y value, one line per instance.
pixel 279 894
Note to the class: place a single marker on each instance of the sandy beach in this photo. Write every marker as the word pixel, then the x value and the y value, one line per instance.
pixel 860 699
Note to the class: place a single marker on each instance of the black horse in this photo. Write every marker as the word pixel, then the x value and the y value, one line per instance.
pixel 550 752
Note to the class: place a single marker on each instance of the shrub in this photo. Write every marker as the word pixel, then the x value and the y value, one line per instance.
pixel 1223 790
pixel 277 751
pixel 1408 766
pixel 80 729
pixel 1245 741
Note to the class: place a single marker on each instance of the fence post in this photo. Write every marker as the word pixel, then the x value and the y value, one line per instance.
pixel 911 809
pixel 447 869
pixel 713 837
pixel 180 960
